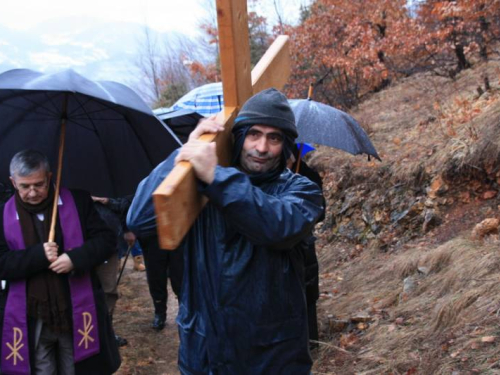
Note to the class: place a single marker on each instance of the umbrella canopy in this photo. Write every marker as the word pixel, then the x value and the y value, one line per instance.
pixel 325 125
pixel 182 122
pixel 304 148
pixel 316 122
pixel 113 139
pixel 204 100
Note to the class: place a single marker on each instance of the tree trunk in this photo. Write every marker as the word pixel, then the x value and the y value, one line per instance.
pixel 483 50
pixel 462 60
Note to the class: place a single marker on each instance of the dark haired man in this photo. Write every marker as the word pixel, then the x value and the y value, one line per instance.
pixel 242 306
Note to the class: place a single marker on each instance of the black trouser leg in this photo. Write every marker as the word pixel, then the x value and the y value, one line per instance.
pixel 175 270
pixel 312 322
pixel 156 261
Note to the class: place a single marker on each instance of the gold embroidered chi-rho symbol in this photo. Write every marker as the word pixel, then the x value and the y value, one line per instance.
pixel 88 327
pixel 16 346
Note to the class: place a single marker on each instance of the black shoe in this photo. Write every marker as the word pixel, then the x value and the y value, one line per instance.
pixel 120 341
pixel 159 322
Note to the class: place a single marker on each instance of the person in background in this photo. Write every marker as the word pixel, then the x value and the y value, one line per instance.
pixel 308 249
pixel 112 211
pixel 161 265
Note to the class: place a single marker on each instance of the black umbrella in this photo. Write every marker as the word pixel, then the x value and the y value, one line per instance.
pixel 325 125
pixel 181 121
pixel 112 139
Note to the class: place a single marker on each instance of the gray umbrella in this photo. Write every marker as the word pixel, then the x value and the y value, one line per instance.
pixel 325 125
pixel 113 140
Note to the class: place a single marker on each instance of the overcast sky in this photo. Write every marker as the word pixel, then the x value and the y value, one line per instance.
pixel 70 36
pixel 162 15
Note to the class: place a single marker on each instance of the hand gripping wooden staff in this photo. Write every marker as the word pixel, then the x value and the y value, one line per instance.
pixel 177 201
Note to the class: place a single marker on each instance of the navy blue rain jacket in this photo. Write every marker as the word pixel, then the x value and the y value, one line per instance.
pixel 242 308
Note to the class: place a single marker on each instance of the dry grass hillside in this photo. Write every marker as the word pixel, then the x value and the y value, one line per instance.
pixel 406 286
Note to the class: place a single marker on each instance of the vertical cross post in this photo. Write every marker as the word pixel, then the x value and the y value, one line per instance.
pixel 177 201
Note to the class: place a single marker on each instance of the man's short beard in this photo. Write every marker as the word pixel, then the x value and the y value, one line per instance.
pixel 248 166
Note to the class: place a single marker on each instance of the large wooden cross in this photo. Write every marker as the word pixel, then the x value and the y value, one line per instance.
pixel 177 201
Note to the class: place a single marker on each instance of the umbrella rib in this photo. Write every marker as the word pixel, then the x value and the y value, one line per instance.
pixel 37 105
pixel 83 116
pixel 72 121
pixel 56 110
pixel 140 139
pixel 128 122
pixel 80 106
pixel 49 114
pixel 21 94
pixel 100 101
pixel 100 142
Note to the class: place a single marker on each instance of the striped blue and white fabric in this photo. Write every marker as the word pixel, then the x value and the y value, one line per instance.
pixel 204 100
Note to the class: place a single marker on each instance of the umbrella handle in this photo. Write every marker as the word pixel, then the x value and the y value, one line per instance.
pixel 62 138
pixel 310 92
pixel 297 168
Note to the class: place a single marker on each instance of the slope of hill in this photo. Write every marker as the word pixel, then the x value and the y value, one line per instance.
pixel 405 288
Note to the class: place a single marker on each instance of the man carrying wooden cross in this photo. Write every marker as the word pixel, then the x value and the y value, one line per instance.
pixel 242 308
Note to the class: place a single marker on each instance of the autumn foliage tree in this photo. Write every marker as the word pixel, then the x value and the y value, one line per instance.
pixel 260 40
pixel 355 47
pixel 352 44
pixel 160 65
pixel 456 31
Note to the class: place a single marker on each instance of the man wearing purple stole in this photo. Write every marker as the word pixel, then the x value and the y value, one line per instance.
pixel 52 309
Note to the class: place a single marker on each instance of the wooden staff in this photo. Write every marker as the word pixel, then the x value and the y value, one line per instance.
pixel 62 137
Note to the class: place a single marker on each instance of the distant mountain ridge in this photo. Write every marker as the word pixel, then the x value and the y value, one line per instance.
pixel 97 49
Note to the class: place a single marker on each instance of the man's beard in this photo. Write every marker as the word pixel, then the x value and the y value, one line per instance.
pixel 253 161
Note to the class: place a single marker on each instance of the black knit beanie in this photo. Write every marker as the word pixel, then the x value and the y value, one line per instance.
pixel 269 107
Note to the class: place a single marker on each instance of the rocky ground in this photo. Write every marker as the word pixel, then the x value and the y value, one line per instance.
pixel 148 352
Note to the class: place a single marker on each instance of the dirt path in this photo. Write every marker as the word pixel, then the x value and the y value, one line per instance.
pixel 148 352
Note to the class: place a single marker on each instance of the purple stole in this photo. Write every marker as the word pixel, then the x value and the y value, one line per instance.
pixel 15 347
